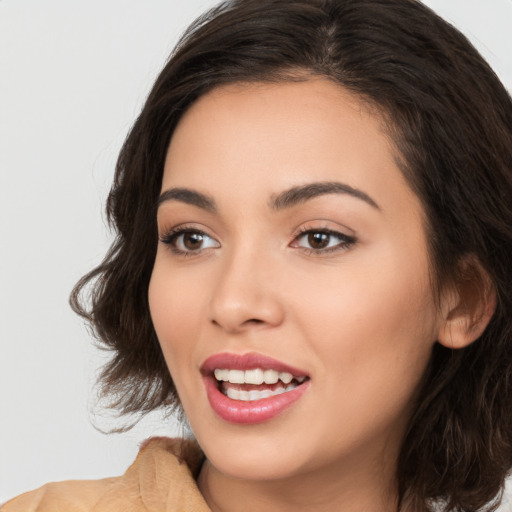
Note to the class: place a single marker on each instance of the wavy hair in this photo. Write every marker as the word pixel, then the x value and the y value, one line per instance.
pixel 451 121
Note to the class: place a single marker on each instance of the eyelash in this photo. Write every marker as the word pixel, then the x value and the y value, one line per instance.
pixel 345 243
pixel 170 239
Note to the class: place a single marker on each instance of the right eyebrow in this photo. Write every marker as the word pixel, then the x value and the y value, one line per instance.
pixel 185 195
pixel 301 194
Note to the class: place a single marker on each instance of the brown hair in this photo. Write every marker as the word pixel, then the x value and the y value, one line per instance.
pixel 451 120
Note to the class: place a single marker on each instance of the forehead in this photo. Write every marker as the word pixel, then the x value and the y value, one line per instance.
pixel 302 114
pixel 273 136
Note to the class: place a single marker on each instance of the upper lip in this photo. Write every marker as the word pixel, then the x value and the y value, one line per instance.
pixel 248 361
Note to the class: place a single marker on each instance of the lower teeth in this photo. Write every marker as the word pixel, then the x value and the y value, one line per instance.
pixel 255 394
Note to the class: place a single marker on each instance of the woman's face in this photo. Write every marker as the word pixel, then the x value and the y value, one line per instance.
pixel 291 248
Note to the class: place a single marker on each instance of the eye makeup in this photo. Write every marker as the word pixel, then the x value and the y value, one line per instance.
pixel 186 240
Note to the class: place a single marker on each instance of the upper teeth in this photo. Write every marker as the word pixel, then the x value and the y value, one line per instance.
pixel 256 376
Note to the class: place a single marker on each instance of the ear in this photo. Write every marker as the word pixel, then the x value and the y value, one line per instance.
pixel 467 304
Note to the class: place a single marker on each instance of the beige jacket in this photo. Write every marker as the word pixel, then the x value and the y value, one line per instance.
pixel 162 479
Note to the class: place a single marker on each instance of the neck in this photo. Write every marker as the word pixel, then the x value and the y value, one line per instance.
pixel 332 488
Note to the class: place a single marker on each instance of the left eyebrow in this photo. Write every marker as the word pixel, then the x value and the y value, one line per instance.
pixel 297 195
pixel 188 196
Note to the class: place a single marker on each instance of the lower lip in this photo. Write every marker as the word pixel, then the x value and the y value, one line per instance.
pixel 256 411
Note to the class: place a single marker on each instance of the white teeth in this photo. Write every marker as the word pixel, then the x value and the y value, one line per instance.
pixel 256 376
pixel 270 376
pixel 255 394
pixel 236 376
pixel 221 374
pixel 285 377
pixel 233 393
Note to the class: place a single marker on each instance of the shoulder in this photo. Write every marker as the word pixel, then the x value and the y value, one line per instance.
pixel 161 478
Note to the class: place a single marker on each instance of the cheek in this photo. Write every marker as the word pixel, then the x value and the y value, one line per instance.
pixel 374 331
pixel 390 299
pixel 173 304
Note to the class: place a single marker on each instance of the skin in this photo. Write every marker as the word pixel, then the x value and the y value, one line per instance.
pixel 360 320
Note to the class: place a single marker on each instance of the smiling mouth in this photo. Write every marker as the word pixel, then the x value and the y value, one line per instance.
pixel 255 384
pixel 251 388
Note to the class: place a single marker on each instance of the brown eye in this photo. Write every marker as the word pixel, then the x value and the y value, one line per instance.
pixel 318 240
pixel 323 241
pixel 192 241
pixel 188 241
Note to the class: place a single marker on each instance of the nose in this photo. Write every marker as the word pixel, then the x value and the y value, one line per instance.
pixel 246 296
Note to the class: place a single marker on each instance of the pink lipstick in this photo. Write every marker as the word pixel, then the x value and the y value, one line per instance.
pixel 251 388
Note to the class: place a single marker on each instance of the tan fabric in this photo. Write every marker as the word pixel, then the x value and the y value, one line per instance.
pixel 162 479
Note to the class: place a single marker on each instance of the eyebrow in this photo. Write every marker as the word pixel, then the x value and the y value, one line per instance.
pixel 300 194
pixel 281 201
pixel 188 196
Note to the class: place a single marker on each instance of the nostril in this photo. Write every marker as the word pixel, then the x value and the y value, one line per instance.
pixel 250 321
pixel 233 310
pixel 247 323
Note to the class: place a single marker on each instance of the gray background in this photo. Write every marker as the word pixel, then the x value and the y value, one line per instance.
pixel 73 76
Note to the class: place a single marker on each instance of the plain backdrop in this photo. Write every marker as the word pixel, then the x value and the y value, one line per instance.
pixel 73 77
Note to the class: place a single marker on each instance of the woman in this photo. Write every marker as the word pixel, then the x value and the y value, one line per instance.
pixel 313 217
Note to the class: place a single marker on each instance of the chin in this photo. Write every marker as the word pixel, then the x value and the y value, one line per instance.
pixel 256 455
pixel 255 466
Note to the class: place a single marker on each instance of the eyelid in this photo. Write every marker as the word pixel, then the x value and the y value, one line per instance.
pixel 321 224
pixel 346 240
pixel 170 235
